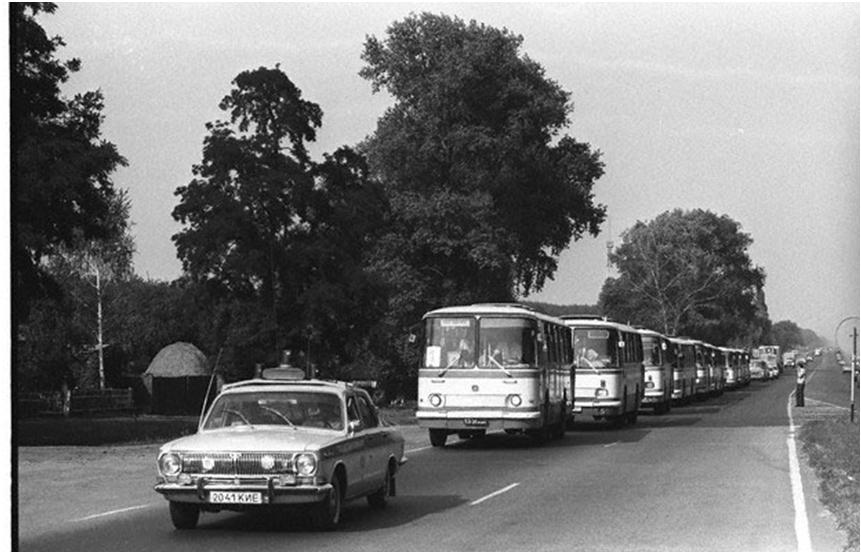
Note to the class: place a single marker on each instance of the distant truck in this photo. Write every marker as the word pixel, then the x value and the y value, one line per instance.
pixel 789 359
pixel 770 354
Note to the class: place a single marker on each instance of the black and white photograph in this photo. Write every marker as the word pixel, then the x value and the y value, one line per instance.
pixel 420 276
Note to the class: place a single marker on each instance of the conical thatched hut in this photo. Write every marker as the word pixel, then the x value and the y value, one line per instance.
pixel 177 379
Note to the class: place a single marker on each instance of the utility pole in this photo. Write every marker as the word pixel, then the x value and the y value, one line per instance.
pixel 854 367
pixel 100 344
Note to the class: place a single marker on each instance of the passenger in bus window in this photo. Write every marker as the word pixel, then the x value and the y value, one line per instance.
pixel 515 355
pixel 466 356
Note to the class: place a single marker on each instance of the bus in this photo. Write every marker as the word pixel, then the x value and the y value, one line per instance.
pixel 716 363
pixel 658 371
pixel 728 358
pixel 701 360
pixel 494 367
pixel 609 371
pixel 683 360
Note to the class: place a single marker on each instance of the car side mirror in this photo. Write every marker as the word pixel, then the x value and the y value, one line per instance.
pixel 354 426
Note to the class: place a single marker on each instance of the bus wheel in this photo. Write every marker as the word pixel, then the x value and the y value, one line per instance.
pixel 437 437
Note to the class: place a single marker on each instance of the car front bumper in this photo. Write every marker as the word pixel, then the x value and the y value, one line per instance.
pixel 270 492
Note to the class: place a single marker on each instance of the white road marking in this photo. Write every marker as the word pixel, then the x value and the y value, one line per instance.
pixel 112 512
pixel 613 444
pixel 417 449
pixel 802 530
pixel 493 494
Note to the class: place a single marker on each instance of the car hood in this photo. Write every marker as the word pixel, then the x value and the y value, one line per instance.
pixel 247 438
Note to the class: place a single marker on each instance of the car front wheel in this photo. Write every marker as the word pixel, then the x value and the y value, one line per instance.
pixel 327 514
pixel 379 498
pixel 183 515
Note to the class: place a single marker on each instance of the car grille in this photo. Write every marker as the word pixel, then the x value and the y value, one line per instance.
pixel 236 463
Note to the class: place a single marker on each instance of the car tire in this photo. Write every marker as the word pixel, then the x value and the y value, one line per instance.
pixel 184 515
pixel 379 498
pixel 327 514
pixel 437 437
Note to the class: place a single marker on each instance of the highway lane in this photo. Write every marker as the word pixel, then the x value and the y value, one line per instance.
pixel 709 476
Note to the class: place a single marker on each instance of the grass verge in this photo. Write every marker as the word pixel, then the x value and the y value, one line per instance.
pixel 832 447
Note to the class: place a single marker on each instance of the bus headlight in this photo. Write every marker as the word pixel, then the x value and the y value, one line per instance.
pixel 602 392
pixel 515 400
pixel 435 400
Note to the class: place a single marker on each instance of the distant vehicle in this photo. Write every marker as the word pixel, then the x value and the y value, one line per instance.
pixel 759 370
pixel 789 359
pixel 659 371
pixel 770 354
pixel 683 360
pixel 282 440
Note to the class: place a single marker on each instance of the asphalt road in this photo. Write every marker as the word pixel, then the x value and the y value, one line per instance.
pixel 713 475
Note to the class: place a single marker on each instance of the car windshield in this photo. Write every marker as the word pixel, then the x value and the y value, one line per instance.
pixel 279 408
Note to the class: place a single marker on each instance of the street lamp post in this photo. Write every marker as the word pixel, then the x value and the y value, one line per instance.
pixel 854 362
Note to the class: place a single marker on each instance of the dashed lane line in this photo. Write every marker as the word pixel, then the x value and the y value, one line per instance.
pixel 113 512
pixel 493 494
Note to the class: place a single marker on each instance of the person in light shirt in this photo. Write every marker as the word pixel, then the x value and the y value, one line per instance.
pixel 800 380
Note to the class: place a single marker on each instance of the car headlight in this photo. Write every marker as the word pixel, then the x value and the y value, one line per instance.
pixel 170 464
pixel 306 464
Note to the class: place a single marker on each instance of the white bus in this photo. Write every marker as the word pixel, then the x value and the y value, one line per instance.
pixel 729 358
pixel 683 359
pixel 659 372
pixel 609 371
pixel 715 363
pixel 494 367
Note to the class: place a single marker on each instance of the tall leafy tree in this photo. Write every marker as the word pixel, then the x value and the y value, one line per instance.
pixel 787 335
pixel 482 200
pixel 277 238
pixel 686 272
pixel 62 190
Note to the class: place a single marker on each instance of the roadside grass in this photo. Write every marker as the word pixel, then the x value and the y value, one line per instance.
pixel 832 448
pixel 144 429
pixel 95 431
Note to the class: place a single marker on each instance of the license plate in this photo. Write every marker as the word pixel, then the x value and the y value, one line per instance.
pixel 474 422
pixel 230 497
pixel 577 409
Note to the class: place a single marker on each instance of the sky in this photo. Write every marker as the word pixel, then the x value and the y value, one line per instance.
pixel 746 110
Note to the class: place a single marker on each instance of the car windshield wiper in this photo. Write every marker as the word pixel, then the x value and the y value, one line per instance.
pixel 279 414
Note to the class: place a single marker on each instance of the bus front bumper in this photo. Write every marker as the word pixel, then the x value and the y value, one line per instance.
pixel 478 420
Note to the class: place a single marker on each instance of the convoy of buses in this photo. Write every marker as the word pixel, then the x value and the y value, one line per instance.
pixel 510 367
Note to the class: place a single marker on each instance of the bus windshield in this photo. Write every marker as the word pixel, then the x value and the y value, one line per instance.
pixel 651 350
pixel 492 342
pixel 594 348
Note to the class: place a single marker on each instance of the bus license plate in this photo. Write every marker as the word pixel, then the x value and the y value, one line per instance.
pixel 474 422
pixel 222 497
pixel 577 409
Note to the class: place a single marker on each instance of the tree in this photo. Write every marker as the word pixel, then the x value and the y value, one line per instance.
pixel 277 239
pixel 61 167
pixel 686 272
pixel 482 202
pixel 787 335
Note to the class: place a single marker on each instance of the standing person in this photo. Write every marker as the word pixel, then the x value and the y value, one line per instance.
pixel 800 378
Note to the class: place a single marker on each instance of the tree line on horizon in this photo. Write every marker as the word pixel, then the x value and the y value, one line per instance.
pixel 466 191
